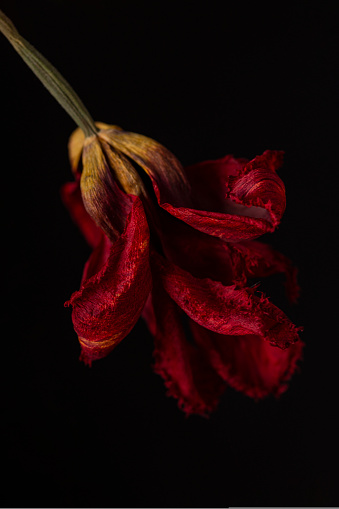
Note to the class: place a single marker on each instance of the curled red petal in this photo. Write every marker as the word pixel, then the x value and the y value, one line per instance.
pixel 231 199
pixel 110 301
pixel 186 370
pixel 258 185
pixel 249 364
pixel 254 259
pixel 208 181
pixel 71 197
pixel 228 226
pixel 225 309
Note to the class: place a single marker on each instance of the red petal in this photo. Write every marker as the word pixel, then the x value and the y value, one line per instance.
pixel 71 196
pixel 225 309
pixel 233 200
pixel 109 303
pixel 208 181
pixel 185 368
pixel 254 259
pixel 248 363
pixel 258 185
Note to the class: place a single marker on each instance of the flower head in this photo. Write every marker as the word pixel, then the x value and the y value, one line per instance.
pixel 175 246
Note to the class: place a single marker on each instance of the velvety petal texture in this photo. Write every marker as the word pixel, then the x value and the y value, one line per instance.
pixel 115 287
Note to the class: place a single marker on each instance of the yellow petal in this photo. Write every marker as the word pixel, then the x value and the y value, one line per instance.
pixel 157 161
pixel 104 201
pixel 76 143
pixel 123 170
pixel 75 146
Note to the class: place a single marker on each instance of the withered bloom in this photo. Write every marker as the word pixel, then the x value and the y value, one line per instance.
pixel 190 233
pixel 176 246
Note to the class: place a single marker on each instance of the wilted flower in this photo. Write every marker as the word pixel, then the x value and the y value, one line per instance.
pixel 175 246
pixel 180 253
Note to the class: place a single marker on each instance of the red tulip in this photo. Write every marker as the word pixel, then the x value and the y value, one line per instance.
pixel 176 246
pixel 181 257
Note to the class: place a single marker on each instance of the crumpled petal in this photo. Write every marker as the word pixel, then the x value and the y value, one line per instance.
pixel 229 198
pixel 258 185
pixel 188 374
pixel 71 197
pixel 233 200
pixel 252 259
pixel 247 363
pixel 225 309
pixel 110 301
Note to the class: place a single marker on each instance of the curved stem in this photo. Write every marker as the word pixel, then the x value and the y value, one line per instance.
pixel 49 76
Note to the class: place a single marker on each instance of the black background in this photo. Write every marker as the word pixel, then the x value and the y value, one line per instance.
pixel 205 81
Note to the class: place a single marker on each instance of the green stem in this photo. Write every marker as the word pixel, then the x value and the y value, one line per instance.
pixel 49 77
